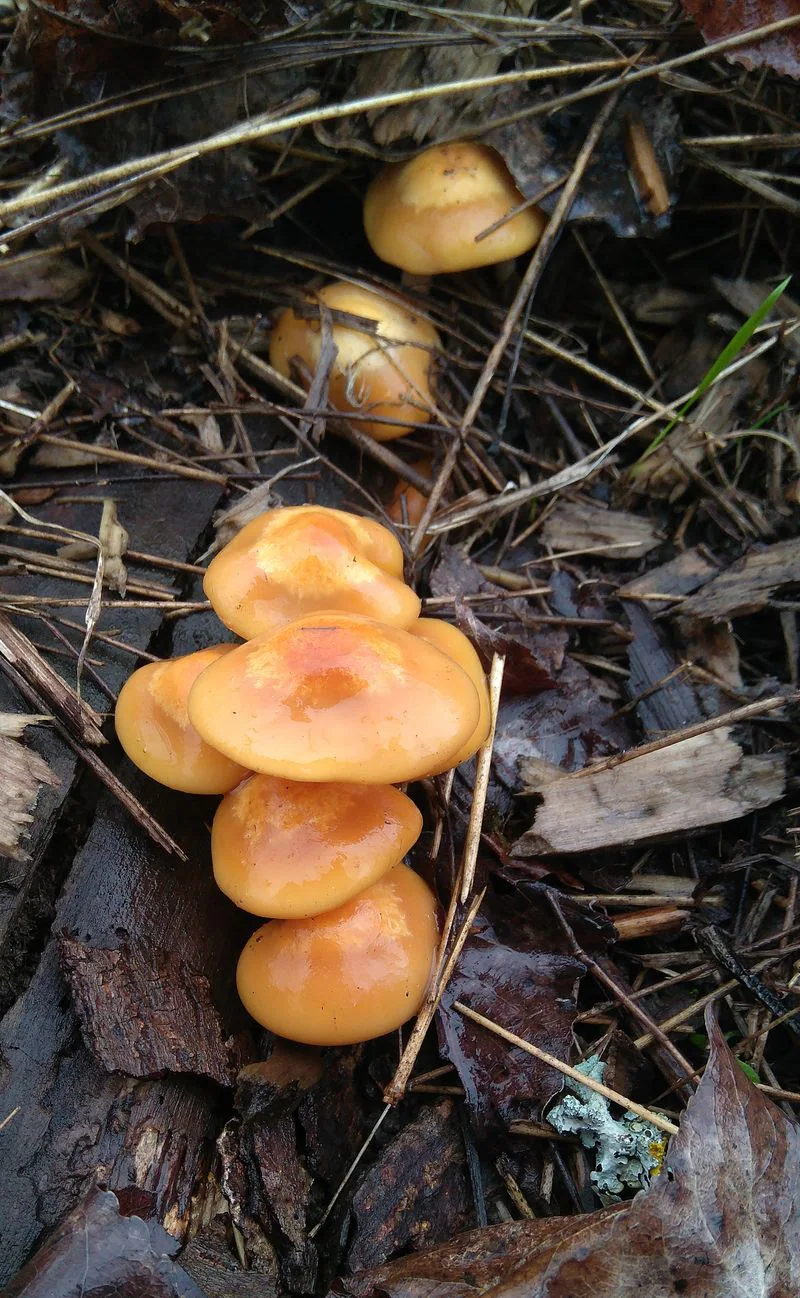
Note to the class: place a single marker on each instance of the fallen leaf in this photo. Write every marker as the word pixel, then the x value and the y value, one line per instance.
pixel 96 1252
pixel 722 1219
pixel 524 673
pixel 719 19
pixel 41 277
pixel 518 971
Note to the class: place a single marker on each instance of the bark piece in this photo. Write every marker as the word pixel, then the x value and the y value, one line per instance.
pixel 746 586
pixel 610 533
pixel 416 1194
pixel 696 782
pixel 147 1013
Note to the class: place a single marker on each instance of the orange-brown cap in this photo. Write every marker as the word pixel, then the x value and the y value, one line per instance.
pixel 336 696
pixel 288 850
pixel 455 644
pixel 425 215
pixel 349 975
pixel 386 375
pixel 407 504
pixel 289 562
pixel 153 726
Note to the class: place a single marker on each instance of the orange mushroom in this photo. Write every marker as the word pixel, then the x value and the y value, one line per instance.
pixel 289 850
pixel 407 504
pixel 385 373
pixel 349 975
pixel 425 215
pixel 457 646
pixel 337 697
pixel 153 726
pixel 294 561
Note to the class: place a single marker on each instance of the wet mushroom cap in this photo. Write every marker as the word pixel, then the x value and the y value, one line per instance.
pixel 385 375
pixel 285 849
pixel 451 641
pixel 337 697
pixel 407 504
pixel 349 975
pixel 425 215
pixel 290 562
pixel 153 726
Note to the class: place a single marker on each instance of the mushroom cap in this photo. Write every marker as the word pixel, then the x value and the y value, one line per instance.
pixel 154 729
pixel 338 697
pixel 349 975
pixel 424 215
pixel 290 562
pixel 288 850
pixel 386 375
pixel 457 646
pixel 407 504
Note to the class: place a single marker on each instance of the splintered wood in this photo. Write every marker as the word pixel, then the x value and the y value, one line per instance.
pixel 22 774
pixel 700 781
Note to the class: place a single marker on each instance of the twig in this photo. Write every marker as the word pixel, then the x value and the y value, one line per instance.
pixel 656 1119
pixel 482 771
pixel 749 711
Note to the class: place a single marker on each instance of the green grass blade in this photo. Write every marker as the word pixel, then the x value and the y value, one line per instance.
pixel 726 357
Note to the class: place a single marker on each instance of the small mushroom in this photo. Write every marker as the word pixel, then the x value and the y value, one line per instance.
pixel 289 850
pixel 337 697
pixel 153 726
pixel 451 641
pixel 407 504
pixel 290 562
pixel 425 215
pixel 385 374
pixel 349 975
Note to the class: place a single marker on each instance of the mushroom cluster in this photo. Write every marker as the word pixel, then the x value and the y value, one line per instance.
pixel 453 207
pixel 339 693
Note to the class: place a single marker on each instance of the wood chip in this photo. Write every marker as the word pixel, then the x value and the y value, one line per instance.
pixel 700 781
pixel 575 525
pixel 747 585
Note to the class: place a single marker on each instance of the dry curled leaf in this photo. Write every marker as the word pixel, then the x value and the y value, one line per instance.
pixel 722 1219
pixel 718 19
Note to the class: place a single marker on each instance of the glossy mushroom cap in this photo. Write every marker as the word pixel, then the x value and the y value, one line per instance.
pixel 289 850
pixel 153 726
pixel 386 375
pixel 457 646
pixel 349 975
pixel 337 697
pixel 290 562
pixel 425 215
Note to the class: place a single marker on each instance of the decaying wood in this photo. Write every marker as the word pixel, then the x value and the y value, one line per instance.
pixel 661 586
pixel 698 782
pixel 22 775
pixel 78 718
pixel 577 525
pixel 747 585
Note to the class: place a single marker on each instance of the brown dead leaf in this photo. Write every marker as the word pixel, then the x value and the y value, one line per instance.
pixel 97 1251
pixel 578 525
pixel 723 1219
pixel 718 19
